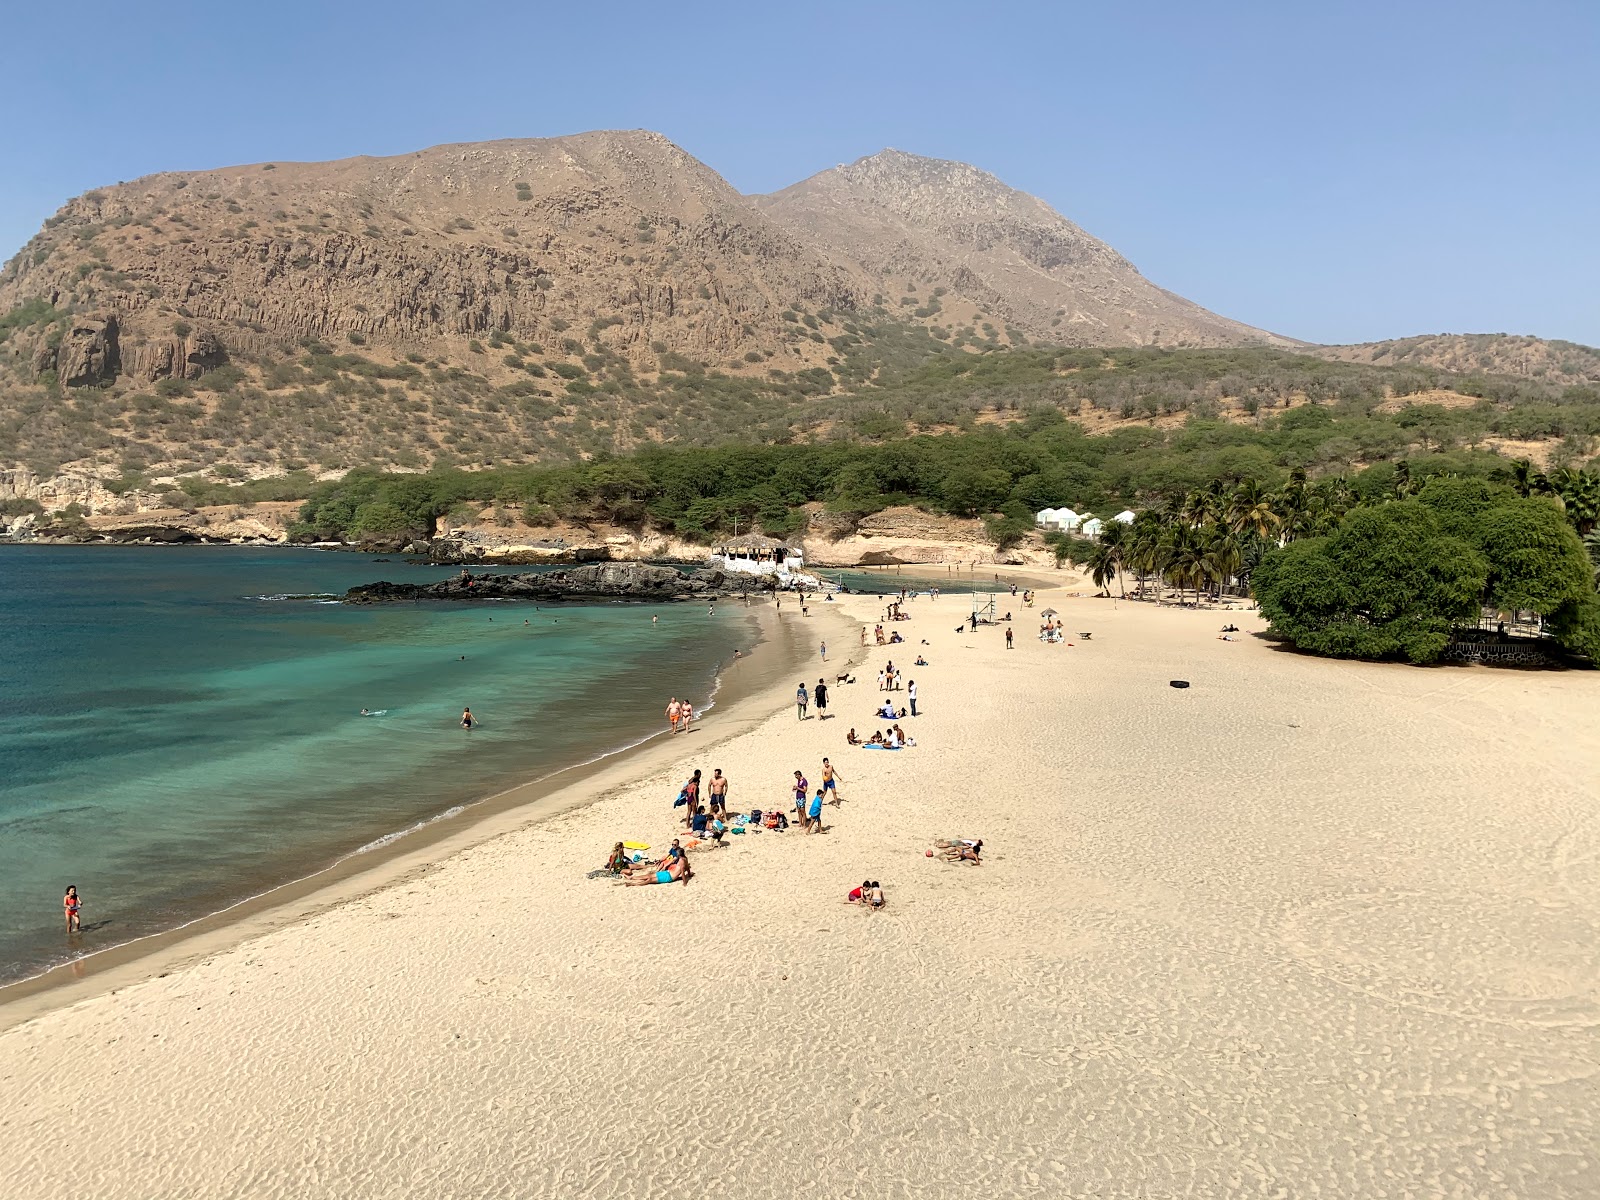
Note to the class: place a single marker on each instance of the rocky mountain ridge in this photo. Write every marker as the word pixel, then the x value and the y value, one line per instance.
pixel 897 214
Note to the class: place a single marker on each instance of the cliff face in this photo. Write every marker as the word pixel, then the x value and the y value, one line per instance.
pixel 954 226
pixel 418 252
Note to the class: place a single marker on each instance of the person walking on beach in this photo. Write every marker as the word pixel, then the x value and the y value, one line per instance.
pixel 674 710
pixel 814 814
pixel 824 651
pixel 719 792
pixel 801 700
pixel 801 785
pixel 73 907
pixel 467 719
pixel 685 715
pixel 881 678
pixel 820 695
pixel 831 780
pixel 911 696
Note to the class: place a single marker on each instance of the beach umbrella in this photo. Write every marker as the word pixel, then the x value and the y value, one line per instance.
pixel 1049 612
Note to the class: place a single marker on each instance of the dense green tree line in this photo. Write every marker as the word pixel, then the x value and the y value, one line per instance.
pixel 1006 473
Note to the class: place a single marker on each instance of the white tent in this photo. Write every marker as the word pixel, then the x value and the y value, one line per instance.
pixel 1125 516
pixel 1056 518
pixel 1091 527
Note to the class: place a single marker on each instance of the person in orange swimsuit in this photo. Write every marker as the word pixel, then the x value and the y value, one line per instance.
pixel 73 906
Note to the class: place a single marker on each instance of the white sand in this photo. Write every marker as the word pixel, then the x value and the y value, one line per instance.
pixel 1304 929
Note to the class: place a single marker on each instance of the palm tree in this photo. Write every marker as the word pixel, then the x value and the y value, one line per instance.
pixel 1527 479
pixel 1250 508
pixel 1143 551
pixel 1224 554
pixel 1113 540
pixel 1104 564
pixel 1580 496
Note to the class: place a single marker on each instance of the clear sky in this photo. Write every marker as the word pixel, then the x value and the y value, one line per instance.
pixel 1336 171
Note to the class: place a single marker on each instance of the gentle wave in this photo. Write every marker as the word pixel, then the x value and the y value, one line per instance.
pixel 313 597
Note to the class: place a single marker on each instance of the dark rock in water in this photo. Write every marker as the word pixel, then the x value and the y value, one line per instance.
pixel 600 581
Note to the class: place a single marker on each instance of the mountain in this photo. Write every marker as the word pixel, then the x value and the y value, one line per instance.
pixel 554 299
pixel 418 252
pixel 1552 361
pixel 955 228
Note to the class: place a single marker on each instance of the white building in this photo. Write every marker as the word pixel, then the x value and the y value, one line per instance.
pixel 1057 518
pixel 753 554
pixel 1125 516
pixel 1092 527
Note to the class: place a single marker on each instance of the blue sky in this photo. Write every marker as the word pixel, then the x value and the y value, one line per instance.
pixel 1341 171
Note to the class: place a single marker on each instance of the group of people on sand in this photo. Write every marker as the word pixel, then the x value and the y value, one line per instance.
pixel 706 818
pixel 673 867
pixel 679 714
pixel 895 738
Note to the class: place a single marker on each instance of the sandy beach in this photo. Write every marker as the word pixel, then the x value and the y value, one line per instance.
pixel 1303 928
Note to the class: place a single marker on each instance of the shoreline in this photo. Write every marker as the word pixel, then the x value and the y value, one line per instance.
pixel 1216 912
pixel 747 697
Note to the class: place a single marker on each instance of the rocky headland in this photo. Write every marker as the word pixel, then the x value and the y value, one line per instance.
pixel 597 581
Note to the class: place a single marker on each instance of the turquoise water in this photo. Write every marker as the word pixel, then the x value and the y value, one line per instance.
pixel 180 728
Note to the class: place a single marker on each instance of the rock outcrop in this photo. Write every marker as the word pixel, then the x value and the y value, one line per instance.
pixel 600 581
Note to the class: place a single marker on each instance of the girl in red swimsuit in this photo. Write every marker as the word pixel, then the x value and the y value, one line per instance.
pixel 72 904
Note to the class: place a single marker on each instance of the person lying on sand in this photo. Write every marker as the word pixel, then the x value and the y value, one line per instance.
pixel 962 851
pixel 678 870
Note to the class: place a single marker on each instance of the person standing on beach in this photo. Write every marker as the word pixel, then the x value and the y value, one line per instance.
pixel 824 651
pixel 719 792
pixel 820 695
pixel 1008 637
pixel 911 695
pixel 814 815
pixel 801 700
pixel 691 797
pixel 801 785
pixel 831 780
pixel 73 907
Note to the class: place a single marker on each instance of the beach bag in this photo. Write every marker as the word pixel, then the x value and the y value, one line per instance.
pixel 683 798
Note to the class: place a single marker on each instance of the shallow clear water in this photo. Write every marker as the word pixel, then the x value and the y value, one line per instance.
pixel 177 732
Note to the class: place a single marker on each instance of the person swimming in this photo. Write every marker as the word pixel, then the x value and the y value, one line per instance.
pixel 467 719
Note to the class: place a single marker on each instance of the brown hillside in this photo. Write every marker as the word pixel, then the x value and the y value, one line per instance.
pixel 1552 361
pixel 416 253
pixel 902 216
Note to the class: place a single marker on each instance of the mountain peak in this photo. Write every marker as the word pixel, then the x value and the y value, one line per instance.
pixel 949 224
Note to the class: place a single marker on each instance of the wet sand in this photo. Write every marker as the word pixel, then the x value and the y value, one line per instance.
pixel 1303 928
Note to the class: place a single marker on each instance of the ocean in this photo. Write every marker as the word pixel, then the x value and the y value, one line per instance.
pixel 181 728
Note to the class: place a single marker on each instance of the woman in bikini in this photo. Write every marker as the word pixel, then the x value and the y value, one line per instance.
pixel 73 906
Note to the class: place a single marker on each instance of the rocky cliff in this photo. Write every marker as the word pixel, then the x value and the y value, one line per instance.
pixel 953 227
